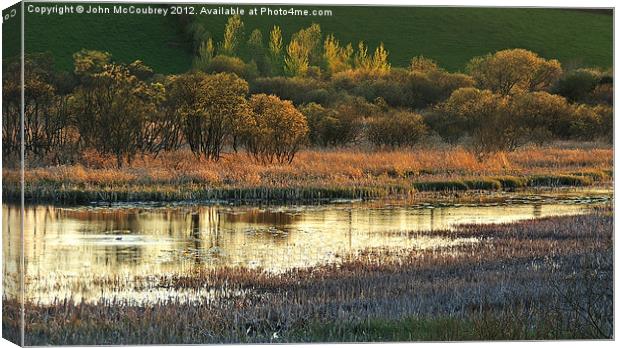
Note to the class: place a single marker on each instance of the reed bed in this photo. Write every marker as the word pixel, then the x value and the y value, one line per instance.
pixel 313 176
pixel 549 278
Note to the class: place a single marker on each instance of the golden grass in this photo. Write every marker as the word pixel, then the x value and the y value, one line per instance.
pixel 338 166
pixel 170 173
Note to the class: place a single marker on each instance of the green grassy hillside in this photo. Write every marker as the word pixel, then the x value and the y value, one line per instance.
pixel 450 35
pixel 156 40
pixel 11 28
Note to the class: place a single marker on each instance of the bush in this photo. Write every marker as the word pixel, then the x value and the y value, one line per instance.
pixel 541 116
pixel 603 94
pixel 577 85
pixel 592 122
pixel 227 64
pixel 514 71
pixel 329 127
pixel 212 110
pixel 277 130
pixel 114 108
pixel 483 116
pixel 431 87
pixel 299 90
pixel 402 88
pixel 396 129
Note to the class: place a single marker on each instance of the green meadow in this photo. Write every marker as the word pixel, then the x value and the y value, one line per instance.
pixel 449 35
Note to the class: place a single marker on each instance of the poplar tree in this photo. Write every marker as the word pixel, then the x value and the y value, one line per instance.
pixel 233 36
pixel 337 58
pixel 275 48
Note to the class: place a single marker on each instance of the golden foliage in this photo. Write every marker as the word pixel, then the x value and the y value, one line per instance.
pixel 514 71
pixel 277 130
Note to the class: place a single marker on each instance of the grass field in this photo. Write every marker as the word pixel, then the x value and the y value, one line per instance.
pixel 450 35
pixel 156 40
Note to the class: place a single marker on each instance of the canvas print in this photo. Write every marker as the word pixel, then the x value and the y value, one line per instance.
pixel 204 173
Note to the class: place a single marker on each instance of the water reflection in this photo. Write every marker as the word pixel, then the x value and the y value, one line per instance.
pixel 66 248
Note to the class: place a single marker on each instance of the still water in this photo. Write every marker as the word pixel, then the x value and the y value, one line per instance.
pixel 68 248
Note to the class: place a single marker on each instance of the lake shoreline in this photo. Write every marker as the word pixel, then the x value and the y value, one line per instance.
pixel 595 194
pixel 519 283
pixel 61 193
pixel 314 176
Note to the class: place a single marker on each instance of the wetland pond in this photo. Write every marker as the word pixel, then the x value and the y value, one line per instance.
pixel 67 249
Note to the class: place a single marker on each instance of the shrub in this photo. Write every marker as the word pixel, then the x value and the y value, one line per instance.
pixel 592 122
pixel 483 115
pixel 114 107
pixel 402 88
pixel 445 125
pixel 296 89
pixel 329 127
pixel 277 130
pixel 212 110
pixel 603 94
pixel 423 64
pixel 577 85
pixel 396 129
pixel 514 71
pixel 540 115
pixel 227 64
pixel 371 85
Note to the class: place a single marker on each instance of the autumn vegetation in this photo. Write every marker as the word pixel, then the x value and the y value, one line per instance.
pixel 262 118
pixel 270 102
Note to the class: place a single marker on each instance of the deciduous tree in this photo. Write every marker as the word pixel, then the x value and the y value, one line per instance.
pixel 513 71
pixel 277 130
pixel 112 109
pixel 337 58
pixel 212 108
pixel 233 36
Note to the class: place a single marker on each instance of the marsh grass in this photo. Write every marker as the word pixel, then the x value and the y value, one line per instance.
pixel 526 280
pixel 313 176
pixel 560 180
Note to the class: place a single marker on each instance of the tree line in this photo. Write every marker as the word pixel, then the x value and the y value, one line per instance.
pixel 320 93
pixel 126 110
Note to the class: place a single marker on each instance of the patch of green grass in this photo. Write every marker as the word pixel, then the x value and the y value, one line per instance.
pixel 554 180
pixel 47 191
pixel 458 185
pixel 156 40
pixel 11 27
pixel 595 175
pixel 511 182
pixel 483 184
pixel 452 36
pixel 586 178
pixel 446 185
